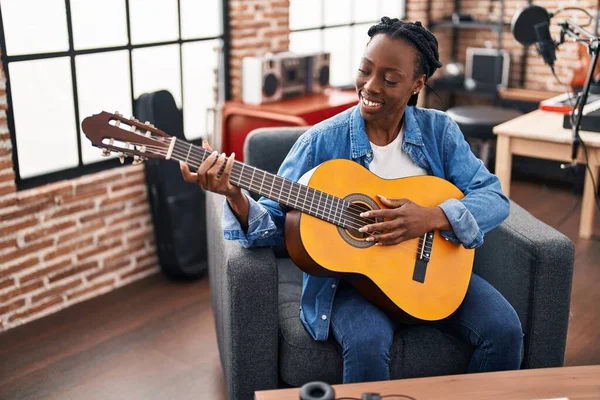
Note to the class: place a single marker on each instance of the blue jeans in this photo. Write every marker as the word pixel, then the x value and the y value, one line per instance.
pixel 485 320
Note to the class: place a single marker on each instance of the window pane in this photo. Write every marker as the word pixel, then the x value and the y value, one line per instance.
pixel 102 85
pixel 153 21
pixel 338 12
pixel 199 61
pixel 392 8
pixel 41 31
pixel 305 14
pixel 306 41
pixel 42 101
pixel 359 42
pixel 200 18
pixel 157 68
pixel 98 23
pixel 367 10
pixel 337 42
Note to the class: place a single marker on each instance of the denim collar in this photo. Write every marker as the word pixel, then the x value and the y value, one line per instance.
pixel 359 141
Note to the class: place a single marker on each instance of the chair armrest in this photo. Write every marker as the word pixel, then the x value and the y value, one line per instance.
pixel 244 298
pixel 531 264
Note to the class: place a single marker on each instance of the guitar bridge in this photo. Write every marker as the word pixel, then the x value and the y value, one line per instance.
pixel 423 255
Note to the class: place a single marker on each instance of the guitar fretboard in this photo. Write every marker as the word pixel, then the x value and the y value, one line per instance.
pixel 284 191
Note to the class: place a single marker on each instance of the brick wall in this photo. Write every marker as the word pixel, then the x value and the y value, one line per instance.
pixel 257 27
pixel 416 10
pixel 68 241
pixel 538 75
pixel 260 26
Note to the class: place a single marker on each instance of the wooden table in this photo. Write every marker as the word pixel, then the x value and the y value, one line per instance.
pixel 549 383
pixel 540 134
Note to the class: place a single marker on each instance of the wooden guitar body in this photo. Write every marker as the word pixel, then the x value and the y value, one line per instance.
pixel 395 278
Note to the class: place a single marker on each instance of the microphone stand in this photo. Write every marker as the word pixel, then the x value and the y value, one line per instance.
pixel 574 31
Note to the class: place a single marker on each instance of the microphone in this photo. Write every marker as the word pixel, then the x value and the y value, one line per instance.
pixel 522 25
pixel 546 46
pixel 531 25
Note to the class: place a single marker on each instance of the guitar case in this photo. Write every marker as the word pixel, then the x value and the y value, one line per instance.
pixel 177 207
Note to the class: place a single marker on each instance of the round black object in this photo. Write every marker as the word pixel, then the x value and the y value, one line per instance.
pixel 524 21
pixel 317 391
pixel 270 85
pixel 324 76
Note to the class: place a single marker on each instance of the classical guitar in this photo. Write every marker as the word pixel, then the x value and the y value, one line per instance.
pixel 422 279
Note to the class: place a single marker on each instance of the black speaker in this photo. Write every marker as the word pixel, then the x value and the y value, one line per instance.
pixel 318 75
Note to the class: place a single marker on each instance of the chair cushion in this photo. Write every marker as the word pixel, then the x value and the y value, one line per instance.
pixel 478 121
pixel 417 351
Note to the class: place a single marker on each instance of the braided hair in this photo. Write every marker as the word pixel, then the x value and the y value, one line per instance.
pixel 427 59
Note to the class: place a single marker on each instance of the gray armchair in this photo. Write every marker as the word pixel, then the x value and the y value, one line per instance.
pixel 256 296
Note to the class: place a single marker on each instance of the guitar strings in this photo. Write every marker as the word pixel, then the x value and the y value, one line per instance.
pixel 356 222
pixel 318 208
pixel 272 178
pixel 197 151
pixel 351 213
pixel 347 211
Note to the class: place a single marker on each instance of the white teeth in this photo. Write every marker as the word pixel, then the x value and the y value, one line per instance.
pixel 370 103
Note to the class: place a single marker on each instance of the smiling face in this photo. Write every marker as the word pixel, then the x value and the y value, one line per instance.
pixel 387 77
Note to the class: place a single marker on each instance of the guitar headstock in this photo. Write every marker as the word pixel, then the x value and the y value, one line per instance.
pixel 114 133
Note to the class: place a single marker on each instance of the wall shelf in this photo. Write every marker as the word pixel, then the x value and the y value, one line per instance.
pixel 496 26
pixel 492 25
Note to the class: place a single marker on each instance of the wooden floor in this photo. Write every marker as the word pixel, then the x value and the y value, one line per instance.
pixel 155 339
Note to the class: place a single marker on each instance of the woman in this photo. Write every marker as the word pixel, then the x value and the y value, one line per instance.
pixel 389 135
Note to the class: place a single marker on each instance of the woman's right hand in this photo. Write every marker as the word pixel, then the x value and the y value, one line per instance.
pixel 207 174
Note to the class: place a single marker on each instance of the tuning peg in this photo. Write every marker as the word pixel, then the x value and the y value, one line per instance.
pixel 118 121
pixel 137 160
pixel 122 158
pixel 105 152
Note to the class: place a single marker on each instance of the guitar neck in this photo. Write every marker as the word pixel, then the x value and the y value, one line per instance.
pixel 284 191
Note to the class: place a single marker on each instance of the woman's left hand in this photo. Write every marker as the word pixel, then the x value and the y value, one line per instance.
pixel 404 220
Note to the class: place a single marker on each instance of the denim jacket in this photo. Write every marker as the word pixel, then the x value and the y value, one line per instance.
pixel 431 139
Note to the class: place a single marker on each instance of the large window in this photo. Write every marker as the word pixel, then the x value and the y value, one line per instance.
pixel 67 59
pixel 339 27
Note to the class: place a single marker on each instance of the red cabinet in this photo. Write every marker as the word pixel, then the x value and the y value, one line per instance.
pixel 239 119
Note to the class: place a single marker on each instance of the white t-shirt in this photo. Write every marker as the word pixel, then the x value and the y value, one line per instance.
pixel 391 162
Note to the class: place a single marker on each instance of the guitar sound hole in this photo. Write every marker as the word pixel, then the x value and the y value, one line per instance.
pixel 358 204
pixel 357 208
